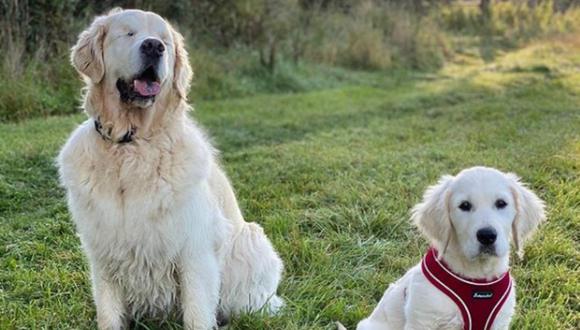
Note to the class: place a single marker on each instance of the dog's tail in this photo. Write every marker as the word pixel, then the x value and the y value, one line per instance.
pixel 339 326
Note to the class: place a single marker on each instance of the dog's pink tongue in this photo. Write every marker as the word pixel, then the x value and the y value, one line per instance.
pixel 146 88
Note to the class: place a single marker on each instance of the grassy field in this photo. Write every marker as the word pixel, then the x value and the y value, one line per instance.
pixel 331 175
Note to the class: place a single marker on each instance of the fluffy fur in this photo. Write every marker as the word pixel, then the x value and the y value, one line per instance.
pixel 157 217
pixel 413 302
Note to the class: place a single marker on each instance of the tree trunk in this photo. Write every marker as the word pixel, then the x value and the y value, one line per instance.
pixel 268 54
pixel 485 7
pixel 418 6
pixel 272 61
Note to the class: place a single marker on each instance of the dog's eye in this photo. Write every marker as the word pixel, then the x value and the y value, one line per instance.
pixel 130 34
pixel 465 206
pixel 500 204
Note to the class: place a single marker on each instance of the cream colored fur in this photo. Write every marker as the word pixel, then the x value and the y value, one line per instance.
pixel 157 217
pixel 413 302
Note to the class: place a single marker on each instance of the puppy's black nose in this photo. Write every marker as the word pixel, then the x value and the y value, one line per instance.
pixel 486 236
pixel 152 48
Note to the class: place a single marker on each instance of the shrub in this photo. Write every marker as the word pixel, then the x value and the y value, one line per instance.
pixel 41 89
pixel 374 35
pixel 431 46
pixel 338 39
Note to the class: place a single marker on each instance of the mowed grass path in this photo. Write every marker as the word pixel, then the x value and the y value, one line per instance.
pixel 331 175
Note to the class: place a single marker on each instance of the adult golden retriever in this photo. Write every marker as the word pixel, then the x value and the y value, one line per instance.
pixel 156 215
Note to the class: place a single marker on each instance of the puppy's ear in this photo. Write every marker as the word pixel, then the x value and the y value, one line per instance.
pixel 432 217
pixel 87 54
pixel 182 72
pixel 530 212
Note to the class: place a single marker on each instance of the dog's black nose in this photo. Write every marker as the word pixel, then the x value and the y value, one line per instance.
pixel 486 236
pixel 152 48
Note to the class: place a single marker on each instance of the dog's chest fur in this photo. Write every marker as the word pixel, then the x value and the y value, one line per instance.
pixel 132 205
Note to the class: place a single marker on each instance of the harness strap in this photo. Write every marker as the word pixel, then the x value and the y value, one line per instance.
pixel 479 301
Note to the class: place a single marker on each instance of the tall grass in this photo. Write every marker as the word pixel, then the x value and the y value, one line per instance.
pixel 374 35
pixel 512 23
pixel 39 88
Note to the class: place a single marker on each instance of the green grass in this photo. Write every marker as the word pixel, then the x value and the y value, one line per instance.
pixel 331 175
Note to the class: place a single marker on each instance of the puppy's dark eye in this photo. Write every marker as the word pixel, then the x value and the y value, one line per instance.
pixel 130 34
pixel 500 204
pixel 465 206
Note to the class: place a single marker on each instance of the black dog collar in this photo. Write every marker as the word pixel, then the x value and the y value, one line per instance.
pixel 128 137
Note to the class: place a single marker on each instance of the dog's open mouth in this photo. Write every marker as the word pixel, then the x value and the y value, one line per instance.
pixel 144 86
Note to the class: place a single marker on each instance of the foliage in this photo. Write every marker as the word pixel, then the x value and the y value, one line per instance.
pixel 513 22
pixel 248 47
pixel 43 88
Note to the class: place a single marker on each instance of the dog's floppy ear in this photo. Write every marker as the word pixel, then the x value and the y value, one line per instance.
pixel 530 212
pixel 432 217
pixel 87 54
pixel 182 72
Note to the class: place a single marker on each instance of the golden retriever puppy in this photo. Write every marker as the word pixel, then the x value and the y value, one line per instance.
pixel 463 281
pixel 156 215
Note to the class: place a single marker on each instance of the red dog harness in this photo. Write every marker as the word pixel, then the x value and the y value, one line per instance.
pixel 478 300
